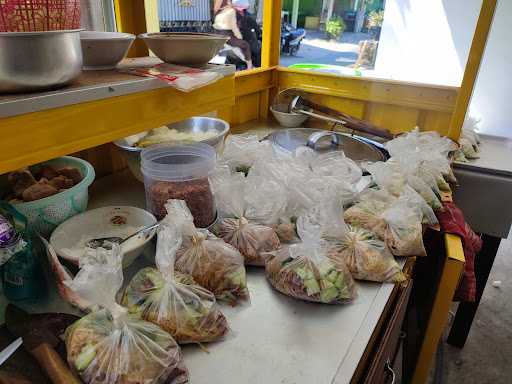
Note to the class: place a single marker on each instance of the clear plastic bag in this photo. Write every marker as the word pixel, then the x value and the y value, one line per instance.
pixel 172 300
pixel 213 263
pixel 367 213
pixel 469 150
pixel 305 271
pixel 337 164
pixel 366 256
pixel 109 345
pixel 248 209
pixel 426 151
pixel 404 229
pixel 396 173
pixel 242 151
pixel 388 176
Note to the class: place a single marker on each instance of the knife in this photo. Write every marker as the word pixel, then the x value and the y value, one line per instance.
pixel 10 349
pixel 40 335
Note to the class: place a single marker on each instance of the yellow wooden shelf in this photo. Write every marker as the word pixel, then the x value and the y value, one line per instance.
pixel 34 137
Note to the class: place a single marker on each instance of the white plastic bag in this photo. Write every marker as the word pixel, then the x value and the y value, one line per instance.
pixel 242 151
pixel 213 263
pixel 109 345
pixel 395 174
pixel 172 300
pixel 338 165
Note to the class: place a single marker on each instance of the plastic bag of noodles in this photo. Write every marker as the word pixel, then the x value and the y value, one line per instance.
pixel 304 271
pixel 367 213
pixel 212 263
pixel 365 255
pixel 404 230
pixel 248 209
pixel 173 300
pixel 110 345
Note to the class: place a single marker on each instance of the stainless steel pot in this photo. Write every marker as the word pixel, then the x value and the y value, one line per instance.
pixel 356 148
pixel 193 124
pixel 35 61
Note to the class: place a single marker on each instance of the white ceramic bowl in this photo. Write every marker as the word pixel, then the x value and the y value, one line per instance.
pixel 69 238
pixel 286 119
pixel 104 50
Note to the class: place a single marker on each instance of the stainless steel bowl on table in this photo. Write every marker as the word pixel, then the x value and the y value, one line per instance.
pixel 192 125
pixel 36 61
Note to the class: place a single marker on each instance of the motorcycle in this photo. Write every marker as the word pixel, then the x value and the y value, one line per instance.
pixel 291 38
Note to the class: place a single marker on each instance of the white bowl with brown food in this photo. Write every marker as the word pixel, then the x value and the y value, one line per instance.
pixel 70 239
pixel 208 130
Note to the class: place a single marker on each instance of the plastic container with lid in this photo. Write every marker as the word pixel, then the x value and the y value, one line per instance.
pixel 180 172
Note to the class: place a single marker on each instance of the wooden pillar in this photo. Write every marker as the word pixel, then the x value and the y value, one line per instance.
pixel 271 44
pixel 295 12
pixel 476 53
pixel 131 18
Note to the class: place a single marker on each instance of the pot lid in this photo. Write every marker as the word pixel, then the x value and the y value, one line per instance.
pixel 356 148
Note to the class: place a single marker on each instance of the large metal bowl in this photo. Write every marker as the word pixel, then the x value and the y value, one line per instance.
pixel 35 61
pixel 194 124
pixel 184 48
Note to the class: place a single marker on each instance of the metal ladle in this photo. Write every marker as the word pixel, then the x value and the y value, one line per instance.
pixel 299 104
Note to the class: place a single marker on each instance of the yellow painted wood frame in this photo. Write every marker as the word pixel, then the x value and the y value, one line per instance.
pixel 395 105
pixel 131 18
pixel 450 277
pixel 253 92
pixel 271 41
pixel 35 137
pixel 476 53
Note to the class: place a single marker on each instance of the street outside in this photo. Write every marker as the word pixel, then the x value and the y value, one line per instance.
pixel 317 49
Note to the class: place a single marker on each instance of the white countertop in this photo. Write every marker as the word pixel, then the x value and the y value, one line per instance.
pixel 276 339
pixel 495 156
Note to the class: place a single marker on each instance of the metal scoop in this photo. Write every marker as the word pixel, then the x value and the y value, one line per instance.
pixel 106 242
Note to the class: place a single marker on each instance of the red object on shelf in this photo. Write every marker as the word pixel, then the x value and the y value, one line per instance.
pixel 39 15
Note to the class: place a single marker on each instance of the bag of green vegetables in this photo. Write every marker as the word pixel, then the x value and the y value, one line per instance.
pixel 305 271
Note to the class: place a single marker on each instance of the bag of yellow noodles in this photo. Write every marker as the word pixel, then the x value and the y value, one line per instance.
pixel 173 300
pixel 366 256
pixel 213 263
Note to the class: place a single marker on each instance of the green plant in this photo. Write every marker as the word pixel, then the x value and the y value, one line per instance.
pixel 335 27
pixel 375 19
